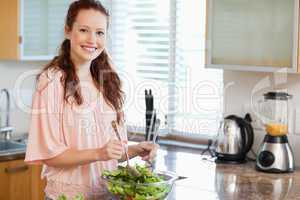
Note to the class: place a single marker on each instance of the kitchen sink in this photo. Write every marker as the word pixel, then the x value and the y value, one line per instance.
pixel 8 147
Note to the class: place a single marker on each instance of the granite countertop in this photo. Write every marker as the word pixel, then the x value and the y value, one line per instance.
pixel 210 181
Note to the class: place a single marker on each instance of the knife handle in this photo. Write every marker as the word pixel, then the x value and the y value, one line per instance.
pixel 151 127
pixel 148 122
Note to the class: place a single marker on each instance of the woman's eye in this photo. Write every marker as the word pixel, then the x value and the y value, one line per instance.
pixel 83 30
pixel 100 33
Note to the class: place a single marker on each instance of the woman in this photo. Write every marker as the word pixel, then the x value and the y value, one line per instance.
pixel 77 97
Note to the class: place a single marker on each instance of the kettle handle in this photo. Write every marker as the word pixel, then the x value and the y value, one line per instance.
pixel 249 133
pixel 246 131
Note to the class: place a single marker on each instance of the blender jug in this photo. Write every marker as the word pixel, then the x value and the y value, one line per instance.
pixel 274 111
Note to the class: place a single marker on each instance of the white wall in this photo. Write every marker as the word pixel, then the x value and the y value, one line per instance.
pixel 11 72
pixel 242 86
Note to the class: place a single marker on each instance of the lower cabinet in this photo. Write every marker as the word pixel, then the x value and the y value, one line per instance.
pixel 21 181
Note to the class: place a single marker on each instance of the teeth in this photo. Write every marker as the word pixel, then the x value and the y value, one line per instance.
pixel 89 49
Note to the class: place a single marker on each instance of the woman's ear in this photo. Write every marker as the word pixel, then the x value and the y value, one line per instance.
pixel 67 32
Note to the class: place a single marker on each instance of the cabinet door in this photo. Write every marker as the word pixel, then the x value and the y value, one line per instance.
pixel 252 35
pixel 20 181
pixel 9 30
pixel 15 180
pixel 42 27
pixel 4 179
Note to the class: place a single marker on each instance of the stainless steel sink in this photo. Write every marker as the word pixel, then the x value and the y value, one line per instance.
pixel 9 147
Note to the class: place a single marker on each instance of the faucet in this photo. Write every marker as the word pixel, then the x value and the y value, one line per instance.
pixel 7 129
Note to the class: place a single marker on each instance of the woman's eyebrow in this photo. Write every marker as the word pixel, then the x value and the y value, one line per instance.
pixel 85 26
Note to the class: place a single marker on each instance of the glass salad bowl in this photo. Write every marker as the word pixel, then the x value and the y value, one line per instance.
pixel 147 186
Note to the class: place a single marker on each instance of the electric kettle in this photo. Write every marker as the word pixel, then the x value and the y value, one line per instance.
pixel 234 140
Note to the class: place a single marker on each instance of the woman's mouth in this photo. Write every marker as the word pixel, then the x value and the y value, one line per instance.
pixel 89 49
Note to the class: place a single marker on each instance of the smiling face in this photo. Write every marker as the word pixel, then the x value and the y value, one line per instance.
pixel 87 36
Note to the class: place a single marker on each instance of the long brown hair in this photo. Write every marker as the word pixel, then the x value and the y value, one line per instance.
pixel 104 76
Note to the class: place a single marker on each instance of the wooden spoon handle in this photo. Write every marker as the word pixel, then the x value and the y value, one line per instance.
pixel 114 125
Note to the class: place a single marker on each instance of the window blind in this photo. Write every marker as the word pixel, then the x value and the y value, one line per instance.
pixel 160 45
pixel 139 38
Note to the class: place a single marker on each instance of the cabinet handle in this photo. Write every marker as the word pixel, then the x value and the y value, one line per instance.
pixel 20 39
pixel 16 169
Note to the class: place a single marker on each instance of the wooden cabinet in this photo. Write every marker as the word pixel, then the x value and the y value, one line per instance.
pixel 31 29
pixel 9 29
pixel 20 181
pixel 256 35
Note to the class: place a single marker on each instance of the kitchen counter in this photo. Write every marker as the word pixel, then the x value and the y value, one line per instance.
pixel 12 156
pixel 209 181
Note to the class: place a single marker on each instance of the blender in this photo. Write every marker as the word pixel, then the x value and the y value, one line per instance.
pixel 275 154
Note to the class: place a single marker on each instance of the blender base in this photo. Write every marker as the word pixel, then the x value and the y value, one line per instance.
pixel 273 170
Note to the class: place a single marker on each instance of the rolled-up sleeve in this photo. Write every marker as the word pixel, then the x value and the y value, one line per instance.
pixel 46 138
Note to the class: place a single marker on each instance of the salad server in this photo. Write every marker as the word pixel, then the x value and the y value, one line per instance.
pixel 131 169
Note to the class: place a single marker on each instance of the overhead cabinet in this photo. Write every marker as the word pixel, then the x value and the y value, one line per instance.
pixel 252 35
pixel 31 29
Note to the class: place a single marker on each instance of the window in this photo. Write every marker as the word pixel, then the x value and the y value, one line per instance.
pixel 159 45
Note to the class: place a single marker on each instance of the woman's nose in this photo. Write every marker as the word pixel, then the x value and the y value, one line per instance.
pixel 91 37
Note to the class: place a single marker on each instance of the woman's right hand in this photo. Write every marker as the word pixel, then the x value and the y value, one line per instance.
pixel 111 150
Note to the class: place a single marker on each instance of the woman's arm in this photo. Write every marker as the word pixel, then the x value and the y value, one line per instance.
pixel 74 157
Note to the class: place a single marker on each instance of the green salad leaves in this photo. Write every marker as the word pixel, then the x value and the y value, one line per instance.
pixel 147 186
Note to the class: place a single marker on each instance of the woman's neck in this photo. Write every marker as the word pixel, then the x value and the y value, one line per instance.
pixel 82 67
pixel 83 72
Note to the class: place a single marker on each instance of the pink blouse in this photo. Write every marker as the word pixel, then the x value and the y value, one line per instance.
pixel 57 125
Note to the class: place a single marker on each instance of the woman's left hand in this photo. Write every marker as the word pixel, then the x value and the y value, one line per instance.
pixel 147 150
